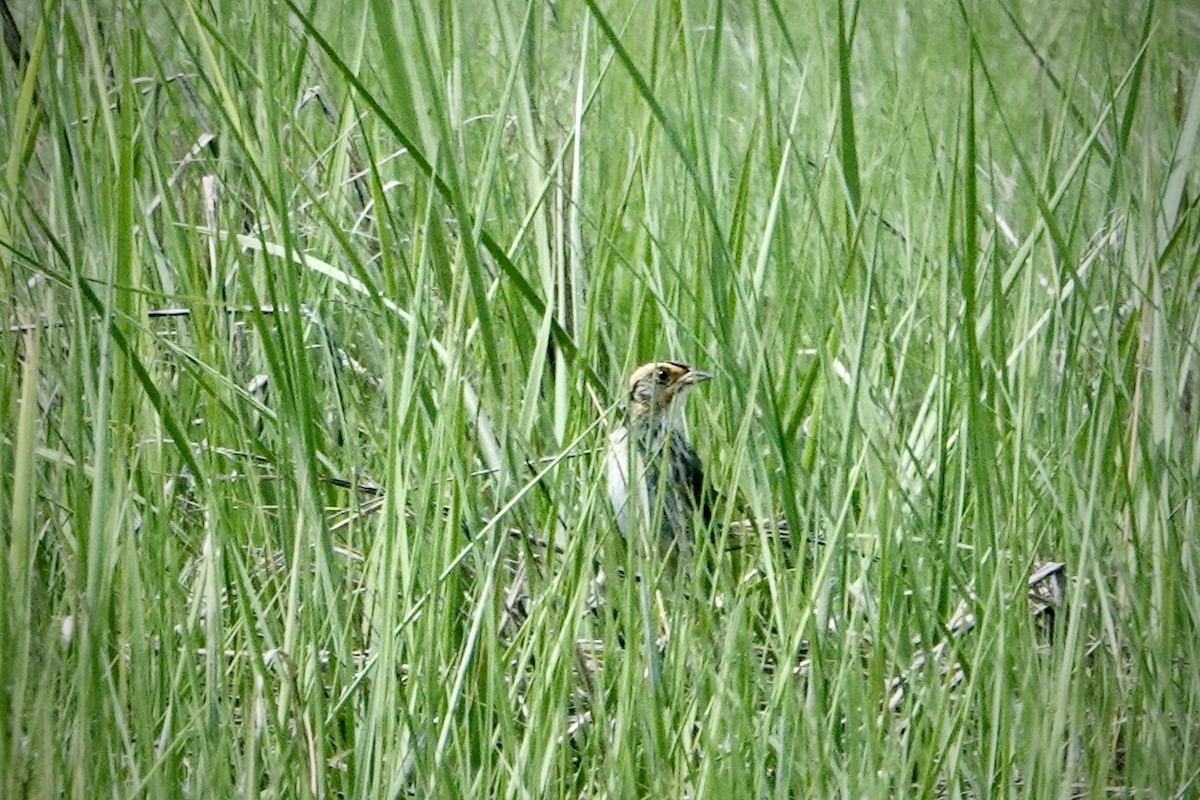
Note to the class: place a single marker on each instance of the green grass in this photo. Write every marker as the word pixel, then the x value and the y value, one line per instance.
pixel 335 527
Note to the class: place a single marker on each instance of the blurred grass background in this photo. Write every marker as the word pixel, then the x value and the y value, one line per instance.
pixel 318 314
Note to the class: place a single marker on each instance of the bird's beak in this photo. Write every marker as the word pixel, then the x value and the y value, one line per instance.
pixel 695 376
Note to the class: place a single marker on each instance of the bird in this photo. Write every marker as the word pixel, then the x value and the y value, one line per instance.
pixel 655 477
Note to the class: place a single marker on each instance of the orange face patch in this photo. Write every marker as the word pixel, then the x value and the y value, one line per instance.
pixel 656 383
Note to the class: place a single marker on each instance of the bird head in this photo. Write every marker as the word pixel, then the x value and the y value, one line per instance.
pixel 658 388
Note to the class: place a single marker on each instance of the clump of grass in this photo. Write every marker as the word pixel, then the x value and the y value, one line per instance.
pixel 317 320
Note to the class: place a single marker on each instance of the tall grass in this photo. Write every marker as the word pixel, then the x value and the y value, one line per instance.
pixel 317 317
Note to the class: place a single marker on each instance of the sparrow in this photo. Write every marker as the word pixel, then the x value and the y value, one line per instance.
pixel 655 477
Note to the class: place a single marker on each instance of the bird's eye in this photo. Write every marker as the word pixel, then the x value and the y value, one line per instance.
pixel 663 375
